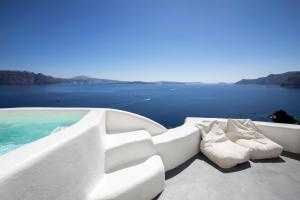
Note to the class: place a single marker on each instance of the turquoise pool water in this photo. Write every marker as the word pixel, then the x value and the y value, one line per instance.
pixel 18 128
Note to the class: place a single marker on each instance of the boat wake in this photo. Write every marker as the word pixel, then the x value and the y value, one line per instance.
pixel 136 102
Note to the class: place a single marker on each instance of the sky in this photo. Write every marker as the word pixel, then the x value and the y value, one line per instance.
pixel 151 40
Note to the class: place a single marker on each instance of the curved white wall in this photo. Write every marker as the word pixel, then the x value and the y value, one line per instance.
pixel 63 166
pixel 177 145
pixel 121 121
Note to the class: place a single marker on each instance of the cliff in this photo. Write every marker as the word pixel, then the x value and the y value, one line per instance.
pixel 288 79
pixel 8 77
pixel 26 78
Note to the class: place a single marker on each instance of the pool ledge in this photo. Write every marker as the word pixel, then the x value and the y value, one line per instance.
pixel 14 162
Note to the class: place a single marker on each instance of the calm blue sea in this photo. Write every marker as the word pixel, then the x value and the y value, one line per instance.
pixel 167 104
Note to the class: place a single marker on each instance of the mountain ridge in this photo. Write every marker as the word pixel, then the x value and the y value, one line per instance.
pixel 287 79
pixel 15 77
pixel 9 77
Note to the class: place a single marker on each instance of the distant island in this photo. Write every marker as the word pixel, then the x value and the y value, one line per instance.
pixel 27 78
pixel 288 79
pixel 9 77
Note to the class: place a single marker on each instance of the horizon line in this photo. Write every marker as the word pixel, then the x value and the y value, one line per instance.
pixel 153 81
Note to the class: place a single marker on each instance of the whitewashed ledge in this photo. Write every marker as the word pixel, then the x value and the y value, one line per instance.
pixel 109 154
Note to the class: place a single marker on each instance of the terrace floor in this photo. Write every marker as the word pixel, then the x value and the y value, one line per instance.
pixel 198 178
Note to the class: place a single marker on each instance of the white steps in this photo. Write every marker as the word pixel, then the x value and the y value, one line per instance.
pixel 125 149
pixel 132 170
pixel 141 182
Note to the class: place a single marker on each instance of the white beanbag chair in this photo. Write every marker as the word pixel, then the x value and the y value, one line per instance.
pixel 218 148
pixel 246 134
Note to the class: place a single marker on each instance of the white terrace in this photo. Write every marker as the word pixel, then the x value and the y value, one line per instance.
pixel 112 154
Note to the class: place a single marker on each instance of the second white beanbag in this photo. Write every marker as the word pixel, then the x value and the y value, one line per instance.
pixel 218 148
pixel 246 134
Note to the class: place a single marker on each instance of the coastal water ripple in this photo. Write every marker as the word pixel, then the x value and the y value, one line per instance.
pixel 167 104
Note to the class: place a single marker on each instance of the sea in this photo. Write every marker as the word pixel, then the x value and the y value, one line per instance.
pixel 167 104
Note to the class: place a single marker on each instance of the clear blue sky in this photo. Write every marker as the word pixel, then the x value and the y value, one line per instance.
pixel 188 40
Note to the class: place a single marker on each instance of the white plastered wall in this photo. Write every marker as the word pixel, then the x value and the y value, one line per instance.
pixel 64 166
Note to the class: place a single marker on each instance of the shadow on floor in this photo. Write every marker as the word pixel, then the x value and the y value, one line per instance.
pixel 270 160
pixel 236 168
pixel 155 198
pixel 180 168
pixel 201 157
pixel 294 156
